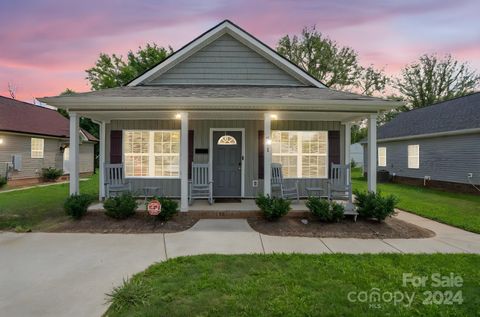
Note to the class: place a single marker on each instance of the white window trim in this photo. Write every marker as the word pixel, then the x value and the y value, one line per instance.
pixel 41 152
pixel 413 156
pixel 382 156
pixel 300 154
pixel 151 162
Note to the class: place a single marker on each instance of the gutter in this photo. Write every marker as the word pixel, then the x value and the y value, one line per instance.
pixel 429 135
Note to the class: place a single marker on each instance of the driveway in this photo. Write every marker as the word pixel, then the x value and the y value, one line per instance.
pixel 65 274
pixel 56 274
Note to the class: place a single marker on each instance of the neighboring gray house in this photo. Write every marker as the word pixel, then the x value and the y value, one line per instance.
pixel 435 146
pixel 34 137
pixel 230 102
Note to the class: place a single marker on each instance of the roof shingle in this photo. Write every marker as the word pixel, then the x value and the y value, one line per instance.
pixel 451 115
pixel 22 117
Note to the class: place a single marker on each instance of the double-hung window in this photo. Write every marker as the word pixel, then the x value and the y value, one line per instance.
pixel 414 156
pixel 303 154
pixel 36 148
pixel 382 156
pixel 151 153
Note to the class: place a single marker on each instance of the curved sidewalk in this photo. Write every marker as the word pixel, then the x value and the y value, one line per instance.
pixel 235 236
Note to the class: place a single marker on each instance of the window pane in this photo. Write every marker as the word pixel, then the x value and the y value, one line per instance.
pixel 151 153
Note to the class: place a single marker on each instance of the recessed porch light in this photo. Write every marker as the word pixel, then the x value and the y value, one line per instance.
pixel 178 116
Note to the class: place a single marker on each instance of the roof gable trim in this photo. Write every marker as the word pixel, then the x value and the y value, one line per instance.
pixel 240 35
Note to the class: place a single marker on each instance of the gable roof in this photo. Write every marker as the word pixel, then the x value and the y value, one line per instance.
pixel 22 117
pixel 457 114
pixel 227 27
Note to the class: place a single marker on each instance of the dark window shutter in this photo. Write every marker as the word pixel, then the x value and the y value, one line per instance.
pixel 260 154
pixel 190 153
pixel 333 149
pixel 115 147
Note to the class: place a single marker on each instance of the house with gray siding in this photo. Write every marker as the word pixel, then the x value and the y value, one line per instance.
pixel 435 146
pixel 34 137
pixel 229 101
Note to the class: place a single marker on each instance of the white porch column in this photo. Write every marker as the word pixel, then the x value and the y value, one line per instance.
pixel 348 141
pixel 74 154
pixel 184 161
pixel 267 154
pixel 372 153
pixel 101 162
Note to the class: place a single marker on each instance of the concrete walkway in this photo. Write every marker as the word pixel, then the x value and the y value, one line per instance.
pixel 68 274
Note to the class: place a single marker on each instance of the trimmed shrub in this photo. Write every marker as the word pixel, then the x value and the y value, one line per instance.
pixel 375 205
pixel 51 174
pixel 169 208
pixel 76 205
pixel 120 207
pixel 272 208
pixel 325 210
pixel 3 181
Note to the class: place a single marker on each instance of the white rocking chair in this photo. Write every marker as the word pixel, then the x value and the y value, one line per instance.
pixel 340 187
pixel 277 181
pixel 200 186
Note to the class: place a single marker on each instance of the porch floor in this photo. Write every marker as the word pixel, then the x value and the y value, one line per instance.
pixel 246 205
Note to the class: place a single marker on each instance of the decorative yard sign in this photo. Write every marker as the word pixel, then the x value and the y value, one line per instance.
pixel 154 207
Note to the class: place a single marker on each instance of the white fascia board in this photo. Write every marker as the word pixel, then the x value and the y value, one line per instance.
pixel 207 38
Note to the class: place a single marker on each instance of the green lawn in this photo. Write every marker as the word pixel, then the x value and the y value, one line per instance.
pixel 459 210
pixel 38 208
pixel 295 285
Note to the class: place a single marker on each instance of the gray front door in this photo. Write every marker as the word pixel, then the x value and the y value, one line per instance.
pixel 227 163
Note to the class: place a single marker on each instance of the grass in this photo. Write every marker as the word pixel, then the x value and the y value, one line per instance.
pixel 38 208
pixel 459 210
pixel 293 285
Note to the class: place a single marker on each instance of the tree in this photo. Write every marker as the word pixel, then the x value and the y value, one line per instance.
pixel 358 132
pixel 85 123
pixel 321 57
pixel 430 80
pixel 371 80
pixel 12 90
pixel 113 71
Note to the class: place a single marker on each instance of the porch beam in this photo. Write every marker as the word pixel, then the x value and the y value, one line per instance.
pixel 184 161
pixel 74 154
pixel 372 153
pixel 101 161
pixel 267 151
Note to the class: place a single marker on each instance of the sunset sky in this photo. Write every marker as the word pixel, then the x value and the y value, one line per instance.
pixel 46 45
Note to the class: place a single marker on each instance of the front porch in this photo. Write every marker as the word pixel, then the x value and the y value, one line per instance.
pixel 291 138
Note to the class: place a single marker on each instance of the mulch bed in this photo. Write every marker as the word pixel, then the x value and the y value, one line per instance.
pixel 141 222
pixel 392 228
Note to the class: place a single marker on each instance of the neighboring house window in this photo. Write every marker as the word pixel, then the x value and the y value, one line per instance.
pixel 382 156
pixel 151 153
pixel 414 156
pixel 36 148
pixel 303 154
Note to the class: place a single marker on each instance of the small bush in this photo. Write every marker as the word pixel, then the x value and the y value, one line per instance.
pixel 76 205
pixel 169 208
pixel 51 173
pixel 353 164
pixel 273 208
pixel 325 210
pixel 120 207
pixel 3 181
pixel 374 205
pixel 132 293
